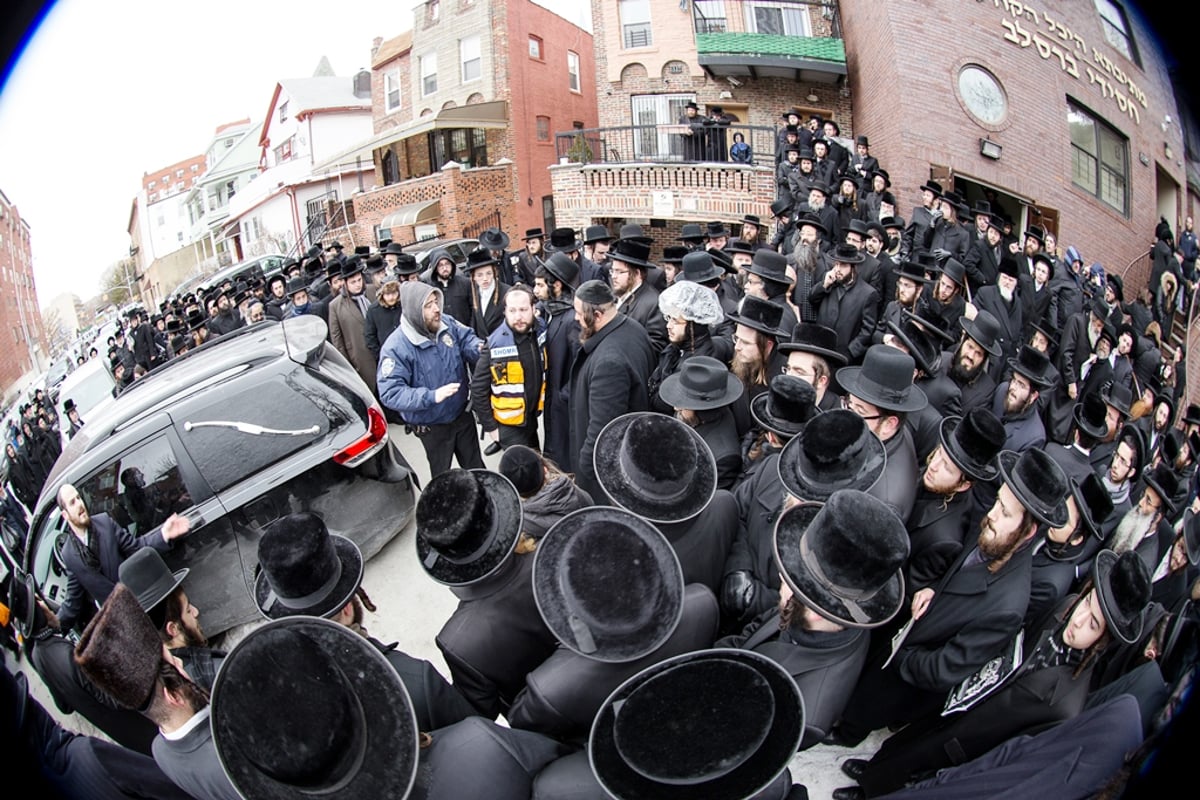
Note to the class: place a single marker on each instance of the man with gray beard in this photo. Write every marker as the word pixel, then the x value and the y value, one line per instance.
pixel 806 259
pixel 1144 528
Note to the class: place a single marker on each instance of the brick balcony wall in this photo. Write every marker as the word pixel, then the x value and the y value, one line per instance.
pixel 466 195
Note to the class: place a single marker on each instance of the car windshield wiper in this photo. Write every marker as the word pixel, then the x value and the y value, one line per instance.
pixel 251 428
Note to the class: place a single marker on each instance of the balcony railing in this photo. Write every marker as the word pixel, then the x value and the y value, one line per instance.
pixel 780 17
pixel 665 143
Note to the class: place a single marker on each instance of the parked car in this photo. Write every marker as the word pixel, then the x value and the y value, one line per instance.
pixel 458 249
pixel 263 422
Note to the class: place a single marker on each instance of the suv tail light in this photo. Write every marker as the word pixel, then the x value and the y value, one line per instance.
pixel 369 444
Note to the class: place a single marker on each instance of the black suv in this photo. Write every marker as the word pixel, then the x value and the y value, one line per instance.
pixel 262 422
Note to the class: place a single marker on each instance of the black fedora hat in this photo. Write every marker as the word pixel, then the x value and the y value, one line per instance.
pixel 770 266
pixel 819 185
pixel 723 260
pixel 716 229
pixel 308 707
pixel 972 442
pixel 985 331
pixel 22 601
pixel 1039 483
pixel 351 267
pixel 479 258
pixel 699 268
pixel 787 405
pixel 69 403
pixel 717 723
pixel 294 287
pixel 752 219
pixel 691 232
pixel 597 233
pixel 982 208
pixel 781 207
pixel 674 253
pixel 468 523
pixel 1091 416
pixel 1192 415
pixel 632 230
pixel 1036 232
pixel 1033 365
pixel 844 558
pixel 1041 258
pixel 914 341
pixel 809 337
pixel 700 384
pixel 655 466
pixel 1133 436
pixel 738 246
pixel 562 240
pixel 149 577
pixel 887 179
pixel 407 264
pixel 633 252
pixel 1191 534
pixel 578 563
pixel 304 569
pixel 834 451
pixel 761 315
pixel 1119 396
pixel 393 248
pixel 885 380
pixel 1163 480
pixel 362 249
pixel 932 186
pixel 912 271
pixel 561 267
pixel 1093 503
pixel 846 254
pixel 533 233
pixel 1123 586
pixel 493 239
pixel 955 271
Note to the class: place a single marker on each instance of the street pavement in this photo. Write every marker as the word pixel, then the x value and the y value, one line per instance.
pixel 412 608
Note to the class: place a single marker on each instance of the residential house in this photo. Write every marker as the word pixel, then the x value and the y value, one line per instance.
pixel 231 162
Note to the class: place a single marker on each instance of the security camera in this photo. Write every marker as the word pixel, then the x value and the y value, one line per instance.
pixel 733 80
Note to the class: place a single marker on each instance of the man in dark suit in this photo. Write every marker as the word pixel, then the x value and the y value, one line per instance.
pixel 608 377
pixel 636 298
pixel 1079 337
pixel 95 549
pixel 972 613
pixel 845 304
pixel 1002 302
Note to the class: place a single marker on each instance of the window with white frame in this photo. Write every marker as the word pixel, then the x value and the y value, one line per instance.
pixel 428 64
pixel 391 90
pixel 1116 28
pixel 283 111
pixel 635 24
pixel 649 111
pixel 535 47
pixel 469 55
pixel 573 71
pixel 783 19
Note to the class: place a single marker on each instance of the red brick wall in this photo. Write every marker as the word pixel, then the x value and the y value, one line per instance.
pixel 20 314
pixel 904 59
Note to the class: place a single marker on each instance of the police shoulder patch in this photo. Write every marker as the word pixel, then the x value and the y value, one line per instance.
pixel 386 367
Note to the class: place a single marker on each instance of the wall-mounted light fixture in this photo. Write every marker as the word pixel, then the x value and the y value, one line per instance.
pixel 990 149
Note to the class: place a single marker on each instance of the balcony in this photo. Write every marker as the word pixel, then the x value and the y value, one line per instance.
pixel 663 143
pixel 793 40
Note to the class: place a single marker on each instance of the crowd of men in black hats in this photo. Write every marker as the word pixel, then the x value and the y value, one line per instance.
pixel 767 492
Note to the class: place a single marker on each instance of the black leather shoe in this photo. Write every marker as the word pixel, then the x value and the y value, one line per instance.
pixel 839 739
pixel 492 449
pixel 854 768
pixel 849 793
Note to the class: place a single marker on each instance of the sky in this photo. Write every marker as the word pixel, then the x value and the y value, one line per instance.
pixel 107 91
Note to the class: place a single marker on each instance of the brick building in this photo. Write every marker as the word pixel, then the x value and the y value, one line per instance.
pixel 1064 112
pixel 464 107
pixel 23 348
pixel 753 59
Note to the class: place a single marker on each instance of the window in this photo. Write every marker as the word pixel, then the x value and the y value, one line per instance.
pixel 230 189
pixel 428 74
pixel 635 23
pixel 140 490
pixel 573 70
pixel 153 197
pixel 228 143
pixel 467 146
pixel 535 47
pixel 195 167
pixel 1116 28
pixel 283 111
pixel 1099 159
pixel 468 53
pixel 648 112
pixel 543 129
pixel 284 151
pixel 179 173
pixel 783 19
pixel 152 183
pixel 709 16
pixel 391 90
pixel 433 10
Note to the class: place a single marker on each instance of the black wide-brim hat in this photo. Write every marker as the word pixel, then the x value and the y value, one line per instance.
pixel 702 383
pixel 809 337
pixel 1033 365
pixel 1160 479
pixel 441 502
pixel 975 465
pixel 1090 416
pixel 885 380
pixel 844 558
pixel 716 723
pixel 761 315
pixel 988 340
pixel 607 584
pixel 1191 536
pixel 1093 503
pixel 834 451
pixel 1123 586
pixel 1119 397
pixel 494 239
pixel 562 240
pixel 22 601
pixel 655 466
pixel 306 707
pixel 333 596
pixel 148 577
pixel 1039 484
pixel 786 407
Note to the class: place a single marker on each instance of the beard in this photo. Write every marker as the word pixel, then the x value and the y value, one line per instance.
pixel 1011 407
pixel 999 549
pixel 1006 294
pixel 748 372
pixel 963 376
pixel 1131 530
pixel 806 257
pixel 193 637
pixel 816 205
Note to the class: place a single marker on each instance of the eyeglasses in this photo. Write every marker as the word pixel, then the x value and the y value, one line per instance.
pixel 799 372
pixel 861 412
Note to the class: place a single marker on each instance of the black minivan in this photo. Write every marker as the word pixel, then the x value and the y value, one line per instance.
pixel 262 422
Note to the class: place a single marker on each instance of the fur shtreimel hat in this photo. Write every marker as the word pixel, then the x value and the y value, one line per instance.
pixel 835 451
pixel 468 522
pixel 1123 584
pixel 120 651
